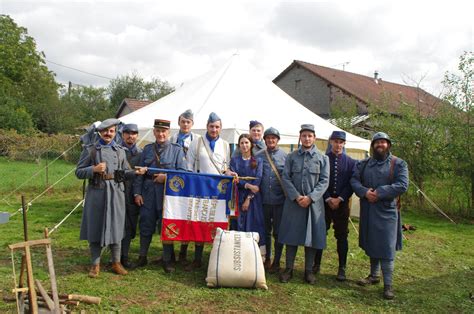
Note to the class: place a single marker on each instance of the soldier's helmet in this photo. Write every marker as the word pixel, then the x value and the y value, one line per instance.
pixel 271 131
pixel 381 136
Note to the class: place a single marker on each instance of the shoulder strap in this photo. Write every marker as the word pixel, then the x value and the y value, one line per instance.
pixel 197 165
pixel 361 173
pixel 93 155
pixel 157 155
pixel 210 157
pixel 392 170
pixel 392 167
pixel 274 169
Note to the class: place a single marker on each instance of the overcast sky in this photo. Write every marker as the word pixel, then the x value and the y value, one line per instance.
pixel 178 40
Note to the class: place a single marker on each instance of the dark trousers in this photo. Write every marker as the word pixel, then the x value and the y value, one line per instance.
pixel 131 221
pixel 339 218
pixel 272 218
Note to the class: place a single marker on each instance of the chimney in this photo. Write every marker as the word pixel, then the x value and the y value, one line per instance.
pixel 376 77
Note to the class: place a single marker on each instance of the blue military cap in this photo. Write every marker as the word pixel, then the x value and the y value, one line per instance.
pixel 338 135
pixel 107 124
pixel 271 131
pixel 131 128
pixel 307 127
pixel 213 117
pixel 188 114
pixel 255 123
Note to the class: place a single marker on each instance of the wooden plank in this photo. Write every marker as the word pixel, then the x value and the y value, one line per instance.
pixel 21 245
pixel 84 298
pixel 52 277
pixel 19 290
pixel 31 282
pixel 45 295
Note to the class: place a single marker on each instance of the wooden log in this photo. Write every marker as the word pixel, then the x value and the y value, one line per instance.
pixel 52 276
pixel 21 245
pixel 31 283
pixel 45 295
pixel 84 298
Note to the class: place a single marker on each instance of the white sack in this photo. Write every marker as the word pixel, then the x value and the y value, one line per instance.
pixel 236 261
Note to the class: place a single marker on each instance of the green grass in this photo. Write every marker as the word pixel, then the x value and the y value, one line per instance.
pixel 433 273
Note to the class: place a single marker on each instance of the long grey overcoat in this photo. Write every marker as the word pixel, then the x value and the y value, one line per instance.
pixel 103 217
pixel 305 173
pixel 380 231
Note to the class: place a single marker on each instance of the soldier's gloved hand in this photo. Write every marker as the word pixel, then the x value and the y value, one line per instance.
pixel 139 200
pixel 159 178
pixel 140 170
pixel 99 168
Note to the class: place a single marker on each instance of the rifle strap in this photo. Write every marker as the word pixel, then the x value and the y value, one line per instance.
pixel 274 169
pixel 212 159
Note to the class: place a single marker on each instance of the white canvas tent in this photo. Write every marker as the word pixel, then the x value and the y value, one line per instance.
pixel 238 94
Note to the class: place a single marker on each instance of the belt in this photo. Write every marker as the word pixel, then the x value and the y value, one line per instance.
pixel 107 176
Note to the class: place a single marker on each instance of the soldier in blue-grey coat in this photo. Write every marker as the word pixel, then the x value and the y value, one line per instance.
pixel 273 195
pixel 149 189
pixel 305 179
pixel 105 165
pixel 133 152
pixel 378 181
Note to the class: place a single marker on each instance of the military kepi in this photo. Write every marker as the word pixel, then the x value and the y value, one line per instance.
pixel 213 117
pixel 107 124
pixel 307 127
pixel 338 135
pixel 163 124
pixel 131 128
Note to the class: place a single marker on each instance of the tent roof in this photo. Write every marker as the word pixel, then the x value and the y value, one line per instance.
pixel 238 94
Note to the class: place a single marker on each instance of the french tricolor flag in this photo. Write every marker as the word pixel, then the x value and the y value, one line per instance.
pixel 195 205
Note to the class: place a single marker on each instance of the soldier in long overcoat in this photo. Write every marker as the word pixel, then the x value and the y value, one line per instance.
pixel 378 181
pixel 103 217
pixel 133 152
pixel 305 179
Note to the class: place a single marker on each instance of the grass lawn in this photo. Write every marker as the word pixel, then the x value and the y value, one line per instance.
pixel 433 273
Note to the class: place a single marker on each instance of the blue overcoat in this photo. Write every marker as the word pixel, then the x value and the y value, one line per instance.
pixel 305 173
pixel 103 217
pixel 380 233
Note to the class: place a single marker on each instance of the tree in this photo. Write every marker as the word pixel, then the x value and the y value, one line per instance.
pixel 87 104
pixel 134 86
pixel 24 77
pixel 459 123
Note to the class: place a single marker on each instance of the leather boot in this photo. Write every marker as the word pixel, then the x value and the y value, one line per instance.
pixel 267 264
pixel 388 292
pixel 341 274
pixel 182 260
pixel 142 261
pixel 369 280
pixel 275 268
pixel 118 269
pixel 309 277
pixel 286 275
pixel 94 271
pixel 316 268
pixel 194 265
pixel 125 262
pixel 168 266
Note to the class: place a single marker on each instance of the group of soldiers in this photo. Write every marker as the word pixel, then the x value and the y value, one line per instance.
pixel 301 193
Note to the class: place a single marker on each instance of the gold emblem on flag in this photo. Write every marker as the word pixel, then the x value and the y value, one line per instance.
pixel 176 183
pixel 222 186
pixel 172 231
